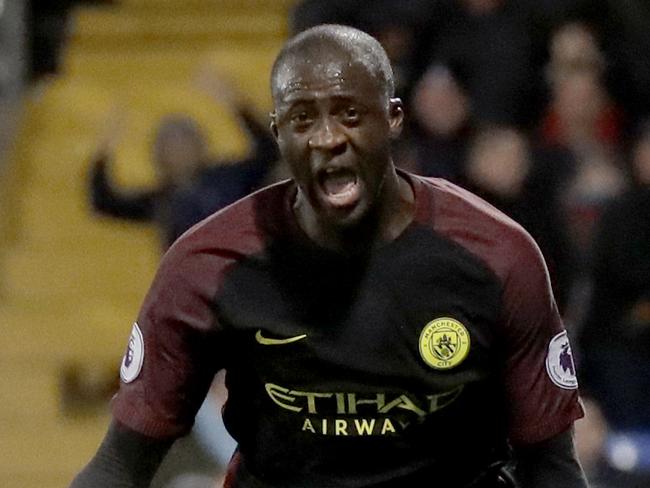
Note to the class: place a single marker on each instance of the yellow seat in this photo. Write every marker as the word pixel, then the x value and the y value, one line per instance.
pixel 70 281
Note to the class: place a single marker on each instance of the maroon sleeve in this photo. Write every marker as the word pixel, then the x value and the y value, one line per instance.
pixel 540 380
pixel 173 351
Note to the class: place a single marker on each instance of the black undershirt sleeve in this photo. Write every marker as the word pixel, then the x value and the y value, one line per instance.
pixel 550 464
pixel 125 459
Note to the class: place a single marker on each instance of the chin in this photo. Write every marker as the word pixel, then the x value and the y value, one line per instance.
pixel 348 220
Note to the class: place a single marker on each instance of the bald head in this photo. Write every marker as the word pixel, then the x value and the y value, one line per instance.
pixel 326 42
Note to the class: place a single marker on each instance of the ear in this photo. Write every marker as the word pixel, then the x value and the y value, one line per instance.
pixel 395 117
pixel 273 125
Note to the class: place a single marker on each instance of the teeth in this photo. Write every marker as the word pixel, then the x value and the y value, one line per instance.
pixel 339 184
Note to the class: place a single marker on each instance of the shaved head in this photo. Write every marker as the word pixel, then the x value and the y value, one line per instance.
pixel 325 42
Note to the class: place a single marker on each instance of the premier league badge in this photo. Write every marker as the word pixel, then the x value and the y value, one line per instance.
pixel 559 362
pixel 133 357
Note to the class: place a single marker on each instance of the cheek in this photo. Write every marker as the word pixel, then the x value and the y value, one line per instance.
pixel 375 143
pixel 294 153
pixel 290 146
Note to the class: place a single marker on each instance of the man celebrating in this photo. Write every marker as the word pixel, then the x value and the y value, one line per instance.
pixel 378 329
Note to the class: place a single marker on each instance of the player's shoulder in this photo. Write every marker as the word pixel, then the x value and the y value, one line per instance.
pixel 476 225
pixel 240 228
pixel 455 207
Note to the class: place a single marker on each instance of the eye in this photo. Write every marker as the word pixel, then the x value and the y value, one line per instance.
pixel 300 119
pixel 351 114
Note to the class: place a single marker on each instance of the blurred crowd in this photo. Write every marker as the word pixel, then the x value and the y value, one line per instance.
pixel 540 107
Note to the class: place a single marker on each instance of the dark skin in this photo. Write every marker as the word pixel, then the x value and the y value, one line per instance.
pixel 333 117
pixel 334 114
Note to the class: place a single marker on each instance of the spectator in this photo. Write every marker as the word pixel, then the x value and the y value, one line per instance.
pixel 405 29
pixel 308 13
pixel 440 128
pixel 503 169
pixel 615 337
pixel 582 119
pixel 487 41
pixel 580 115
pixel 191 185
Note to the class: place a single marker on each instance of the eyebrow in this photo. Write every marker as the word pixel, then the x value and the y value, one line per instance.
pixel 338 97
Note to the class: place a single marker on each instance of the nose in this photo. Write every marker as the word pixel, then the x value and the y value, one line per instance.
pixel 328 137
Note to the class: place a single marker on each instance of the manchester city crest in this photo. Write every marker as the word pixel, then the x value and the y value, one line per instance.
pixel 444 343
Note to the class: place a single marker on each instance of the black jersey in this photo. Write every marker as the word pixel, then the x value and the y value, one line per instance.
pixel 417 362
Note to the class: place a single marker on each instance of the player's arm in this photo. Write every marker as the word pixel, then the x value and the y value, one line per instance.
pixel 549 464
pixel 125 459
pixel 541 388
pixel 173 353
pixel 105 196
pixel 264 149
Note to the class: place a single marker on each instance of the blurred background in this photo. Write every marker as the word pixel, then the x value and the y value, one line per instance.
pixel 124 122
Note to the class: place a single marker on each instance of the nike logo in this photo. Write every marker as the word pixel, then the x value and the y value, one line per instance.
pixel 267 341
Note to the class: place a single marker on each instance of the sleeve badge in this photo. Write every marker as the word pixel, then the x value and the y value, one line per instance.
pixel 133 357
pixel 559 362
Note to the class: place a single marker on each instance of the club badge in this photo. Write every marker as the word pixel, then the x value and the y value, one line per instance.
pixel 444 343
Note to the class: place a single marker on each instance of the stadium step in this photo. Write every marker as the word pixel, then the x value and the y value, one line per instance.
pixel 93 27
pixel 41 446
pixel 251 6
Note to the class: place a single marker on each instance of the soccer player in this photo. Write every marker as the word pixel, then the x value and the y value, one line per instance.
pixel 378 329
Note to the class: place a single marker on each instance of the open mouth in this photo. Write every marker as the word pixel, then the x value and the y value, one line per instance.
pixel 340 186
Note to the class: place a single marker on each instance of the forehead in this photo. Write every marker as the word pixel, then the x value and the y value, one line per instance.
pixel 329 74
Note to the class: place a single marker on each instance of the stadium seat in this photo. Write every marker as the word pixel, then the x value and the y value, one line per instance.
pixel 70 281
